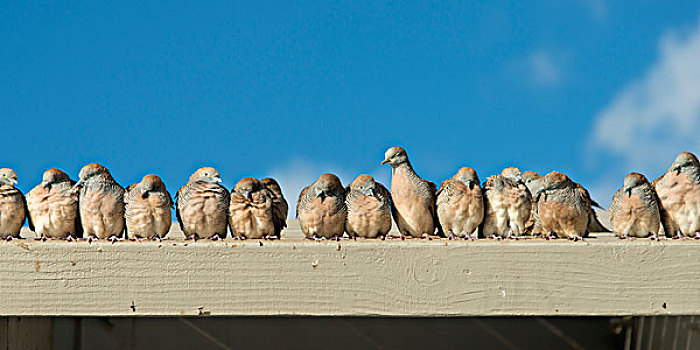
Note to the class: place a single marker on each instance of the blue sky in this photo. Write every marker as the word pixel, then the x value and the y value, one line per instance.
pixel 593 88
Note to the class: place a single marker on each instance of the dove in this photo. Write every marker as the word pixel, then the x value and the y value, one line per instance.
pixel 12 205
pixel 321 208
pixel 413 198
pixel 280 207
pixel 507 205
pixel 634 211
pixel 460 204
pixel 678 191
pixel 534 181
pixel 563 207
pixel 201 205
pixel 251 214
pixel 53 206
pixel 369 208
pixel 101 203
pixel 148 205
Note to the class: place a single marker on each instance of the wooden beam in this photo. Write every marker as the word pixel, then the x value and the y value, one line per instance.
pixel 603 276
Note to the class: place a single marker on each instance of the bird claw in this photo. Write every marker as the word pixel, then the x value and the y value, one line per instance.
pixel 113 239
pixel 70 238
pixel 9 238
pixel 215 237
pixel 192 238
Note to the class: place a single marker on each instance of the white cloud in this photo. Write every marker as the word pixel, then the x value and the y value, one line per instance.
pixel 655 117
pixel 544 68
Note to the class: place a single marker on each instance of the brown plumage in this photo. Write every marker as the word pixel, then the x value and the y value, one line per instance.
pixel 148 205
pixel 634 211
pixel 507 205
pixel 53 206
pixel 321 208
pixel 12 205
pixel 251 214
pixel 413 198
pixel 534 182
pixel 101 203
pixel 369 208
pixel 280 208
pixel 460 204
pixel 202 205
pixel 678 191
pixel 563 207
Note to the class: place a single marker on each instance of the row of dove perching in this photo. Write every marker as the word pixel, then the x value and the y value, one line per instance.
pixel 509 205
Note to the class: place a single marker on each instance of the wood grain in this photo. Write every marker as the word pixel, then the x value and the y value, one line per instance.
pixel 395 278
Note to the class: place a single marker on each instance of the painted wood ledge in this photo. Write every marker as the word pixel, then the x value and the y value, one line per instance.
pixel 603 276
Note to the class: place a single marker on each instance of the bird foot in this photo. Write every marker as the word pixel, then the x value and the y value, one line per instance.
pixel 42 238
pixel 9 238
pixel 90 239
pixel 271 237
pixel 192 238
pixel 319 239
pixel 70 239
pixel 517 238
pixel 157 239
pixel 215 237
pixel 575 238
pixel 113 239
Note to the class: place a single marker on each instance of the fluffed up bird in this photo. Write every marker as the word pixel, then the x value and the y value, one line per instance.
pixel 460 204
pixel 678 191
pixel 507 205
pixel 564 207
pixel 101 203
pixel 12 205
pixel 251 214
pixel 634 211
pixel 280 207
pixel 53 206
pixel 202 205
pixel 413 198
pixel 369 208
pixel 321 208
pixel 148 205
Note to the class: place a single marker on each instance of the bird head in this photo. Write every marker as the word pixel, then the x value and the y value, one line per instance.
pixel 554 180
pixel 512 173
pixel 206 174
pixel 395 156
pixel 633 180
pixel 327 185
pixel 90 171
pixel 247 186
pixel 8 177
pixel 151 183
pixel 53 176
pixel 364 184
pixel 468 176
pixel 683 161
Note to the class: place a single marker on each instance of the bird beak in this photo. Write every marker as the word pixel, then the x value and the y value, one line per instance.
pixel 677 169
pixel 370 191
pixel 79 184
pixel 321 194
pixel 217 179
pixel 470 184
pixel 384 162
pixel 539 193
pixel 45 184
pixel 144 193
pixel 628 190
